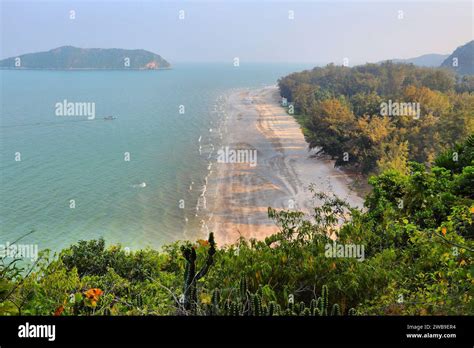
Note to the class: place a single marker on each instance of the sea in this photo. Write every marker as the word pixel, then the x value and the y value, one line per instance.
pixel 135 173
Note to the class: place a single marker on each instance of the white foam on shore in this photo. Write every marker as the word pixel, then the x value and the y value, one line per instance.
pixel 215 133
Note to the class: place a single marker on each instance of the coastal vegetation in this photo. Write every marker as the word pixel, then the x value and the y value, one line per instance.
pixel 416 231
pixel 378 117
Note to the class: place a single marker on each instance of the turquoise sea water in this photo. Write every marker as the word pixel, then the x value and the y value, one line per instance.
pixel 73 158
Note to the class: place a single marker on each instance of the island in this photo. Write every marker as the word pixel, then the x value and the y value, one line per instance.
pixel 74 58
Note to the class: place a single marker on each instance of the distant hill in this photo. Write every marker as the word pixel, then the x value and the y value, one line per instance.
pixel 69 58
pixel 465 59
pixel 430 60
pixel 427 60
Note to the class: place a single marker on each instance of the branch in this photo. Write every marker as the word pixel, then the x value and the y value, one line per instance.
pixel 452 243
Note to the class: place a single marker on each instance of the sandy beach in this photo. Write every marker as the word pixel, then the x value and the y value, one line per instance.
pixel 240 193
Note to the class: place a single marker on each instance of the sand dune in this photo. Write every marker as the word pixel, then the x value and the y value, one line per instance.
pixel 239 194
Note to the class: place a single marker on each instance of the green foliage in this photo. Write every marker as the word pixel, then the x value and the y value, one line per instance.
pixel 93 259
pixel 339 109
pixel 416 229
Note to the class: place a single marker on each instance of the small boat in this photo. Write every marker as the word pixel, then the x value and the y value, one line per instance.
pixel 110 118
pixel 142 184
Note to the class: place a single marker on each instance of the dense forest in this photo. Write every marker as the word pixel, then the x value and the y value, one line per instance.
pixel 343 112
pixel 416 230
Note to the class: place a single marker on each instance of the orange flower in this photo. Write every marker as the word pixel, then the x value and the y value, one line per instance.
pixel 203 242
pixel 98 292
pixel 472 209
pixel 93 294
pixel 443 231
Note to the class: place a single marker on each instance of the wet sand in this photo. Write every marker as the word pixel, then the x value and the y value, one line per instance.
pixel 239 194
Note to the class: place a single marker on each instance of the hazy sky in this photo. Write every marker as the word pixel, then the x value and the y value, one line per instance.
pixel 321 31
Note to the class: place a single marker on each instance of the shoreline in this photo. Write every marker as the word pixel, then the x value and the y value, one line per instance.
pixel 240 193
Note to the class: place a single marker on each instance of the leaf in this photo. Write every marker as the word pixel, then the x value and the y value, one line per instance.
pixel 77 297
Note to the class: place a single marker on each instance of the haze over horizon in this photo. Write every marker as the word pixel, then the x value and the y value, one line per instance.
pixel 320 32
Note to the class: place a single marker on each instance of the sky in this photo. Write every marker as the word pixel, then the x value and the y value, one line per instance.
pixel 254 31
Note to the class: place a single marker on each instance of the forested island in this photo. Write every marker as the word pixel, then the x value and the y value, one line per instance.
pixel 74 58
